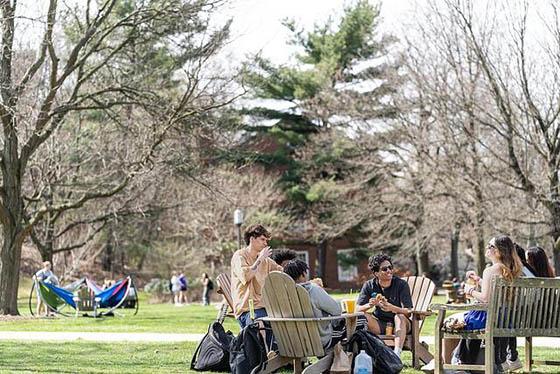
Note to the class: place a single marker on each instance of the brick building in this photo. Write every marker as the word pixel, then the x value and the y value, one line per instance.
pixel 339 274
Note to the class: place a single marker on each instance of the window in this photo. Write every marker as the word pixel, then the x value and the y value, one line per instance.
pixel 300 255
pixel 347 265
pixel 303 256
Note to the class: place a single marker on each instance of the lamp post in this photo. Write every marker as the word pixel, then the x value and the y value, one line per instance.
pixel 238 221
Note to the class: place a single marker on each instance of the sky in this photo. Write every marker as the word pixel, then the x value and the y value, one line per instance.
pixel 257 24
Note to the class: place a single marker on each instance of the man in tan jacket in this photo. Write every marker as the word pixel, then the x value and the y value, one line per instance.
pixel 249 268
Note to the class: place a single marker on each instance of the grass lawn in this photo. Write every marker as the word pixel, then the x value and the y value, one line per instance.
pixel 88 357
pixel 85 357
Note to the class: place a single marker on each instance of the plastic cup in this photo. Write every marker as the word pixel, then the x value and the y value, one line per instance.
pixel 350 305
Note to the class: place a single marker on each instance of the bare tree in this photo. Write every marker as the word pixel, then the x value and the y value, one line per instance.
pixel 79 66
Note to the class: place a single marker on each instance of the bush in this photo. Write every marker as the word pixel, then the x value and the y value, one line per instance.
pixel 157 286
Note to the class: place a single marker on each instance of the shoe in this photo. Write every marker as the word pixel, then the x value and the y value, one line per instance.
pixel 512 365
pixel 429 367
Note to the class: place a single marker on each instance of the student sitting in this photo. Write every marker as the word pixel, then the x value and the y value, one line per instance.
pixel 323 304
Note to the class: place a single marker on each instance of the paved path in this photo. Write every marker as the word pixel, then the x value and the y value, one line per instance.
pixel 147 337
pixel 138 337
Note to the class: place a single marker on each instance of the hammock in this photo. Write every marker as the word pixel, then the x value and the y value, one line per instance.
pixel 102 302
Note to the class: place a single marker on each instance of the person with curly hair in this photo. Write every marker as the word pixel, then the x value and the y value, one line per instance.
pixel 391 298
pixel 283 256
pixel 249 268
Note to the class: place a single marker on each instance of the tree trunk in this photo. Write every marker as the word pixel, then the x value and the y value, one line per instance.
pixel 11 216
pixel 9 269
pixel 423 262
pixel 556 256
pixel 454 264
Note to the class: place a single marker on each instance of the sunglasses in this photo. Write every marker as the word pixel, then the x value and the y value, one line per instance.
pixel 386 268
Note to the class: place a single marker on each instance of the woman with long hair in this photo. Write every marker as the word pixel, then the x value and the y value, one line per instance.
pixel 506 264
pixel 537 258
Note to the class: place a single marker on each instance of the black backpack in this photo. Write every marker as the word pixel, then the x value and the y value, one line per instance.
pixel 212 353
pixel 248 351
pixel 210 284
pixel 383 358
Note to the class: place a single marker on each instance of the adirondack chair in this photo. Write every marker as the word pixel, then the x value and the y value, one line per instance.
pixel 294 325
pixel 422 290
pixel 85 301
pixel 526 307
pixel 224 289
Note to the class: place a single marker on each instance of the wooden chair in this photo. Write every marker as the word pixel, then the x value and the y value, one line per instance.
pixel 85 301
pixel 224 289
pixel 294 325
pixel 527 307
pixel 422 290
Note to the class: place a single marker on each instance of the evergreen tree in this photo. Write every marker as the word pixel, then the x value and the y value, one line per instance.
pixel 323 145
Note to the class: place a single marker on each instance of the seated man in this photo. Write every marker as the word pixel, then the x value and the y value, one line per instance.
pixel 323 305
pixel 391 298
pixel 283 256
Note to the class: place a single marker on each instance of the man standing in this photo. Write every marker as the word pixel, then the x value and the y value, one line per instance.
pixel 44 275
pixel 249 268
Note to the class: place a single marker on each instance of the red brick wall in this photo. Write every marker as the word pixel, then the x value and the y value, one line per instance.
pixel 330 279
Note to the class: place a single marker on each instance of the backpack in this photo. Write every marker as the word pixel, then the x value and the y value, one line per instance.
pixel 212 353
pixel 248 351
pixel 384 360
pixel 210 284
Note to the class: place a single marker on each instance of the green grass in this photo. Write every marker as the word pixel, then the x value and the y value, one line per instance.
pixel 162 318
pixel 85 357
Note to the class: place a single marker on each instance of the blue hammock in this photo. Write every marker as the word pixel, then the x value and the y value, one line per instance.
pixel 111 298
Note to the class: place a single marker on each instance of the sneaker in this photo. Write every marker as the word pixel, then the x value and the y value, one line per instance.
pixel 512 365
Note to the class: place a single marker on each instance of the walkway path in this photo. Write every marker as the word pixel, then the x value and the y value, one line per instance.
pixel 147 337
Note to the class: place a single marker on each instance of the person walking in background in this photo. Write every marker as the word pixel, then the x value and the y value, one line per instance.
pixel 538 260
pixel 207 287
pixel 176 288
pixel 184 288
pixel 45 275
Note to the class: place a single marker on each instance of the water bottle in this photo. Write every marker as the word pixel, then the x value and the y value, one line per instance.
pixel 363 363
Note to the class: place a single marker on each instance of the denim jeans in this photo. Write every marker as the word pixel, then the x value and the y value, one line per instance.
pixel 245 319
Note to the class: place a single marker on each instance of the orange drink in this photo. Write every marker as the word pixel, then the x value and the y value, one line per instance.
pixel 350 305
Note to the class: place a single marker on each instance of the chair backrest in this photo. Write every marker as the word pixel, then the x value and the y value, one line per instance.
pixel 422 290
pixel 85 300
pixel 285 299
pixel 224 288
pixel 525 307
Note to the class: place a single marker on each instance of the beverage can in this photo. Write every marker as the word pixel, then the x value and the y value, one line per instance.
pixel 389 329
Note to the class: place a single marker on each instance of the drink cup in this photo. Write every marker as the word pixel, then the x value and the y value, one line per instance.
pixel 350 305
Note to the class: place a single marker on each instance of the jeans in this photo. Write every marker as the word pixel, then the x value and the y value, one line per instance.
pixel 245 319
pixel 206 296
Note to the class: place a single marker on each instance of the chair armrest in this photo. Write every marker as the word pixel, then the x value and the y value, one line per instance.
pixel 459 307
pixel 310 319
pixel 421 313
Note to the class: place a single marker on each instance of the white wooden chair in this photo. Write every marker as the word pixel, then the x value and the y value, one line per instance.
pixel 294 325
pixel 224 288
